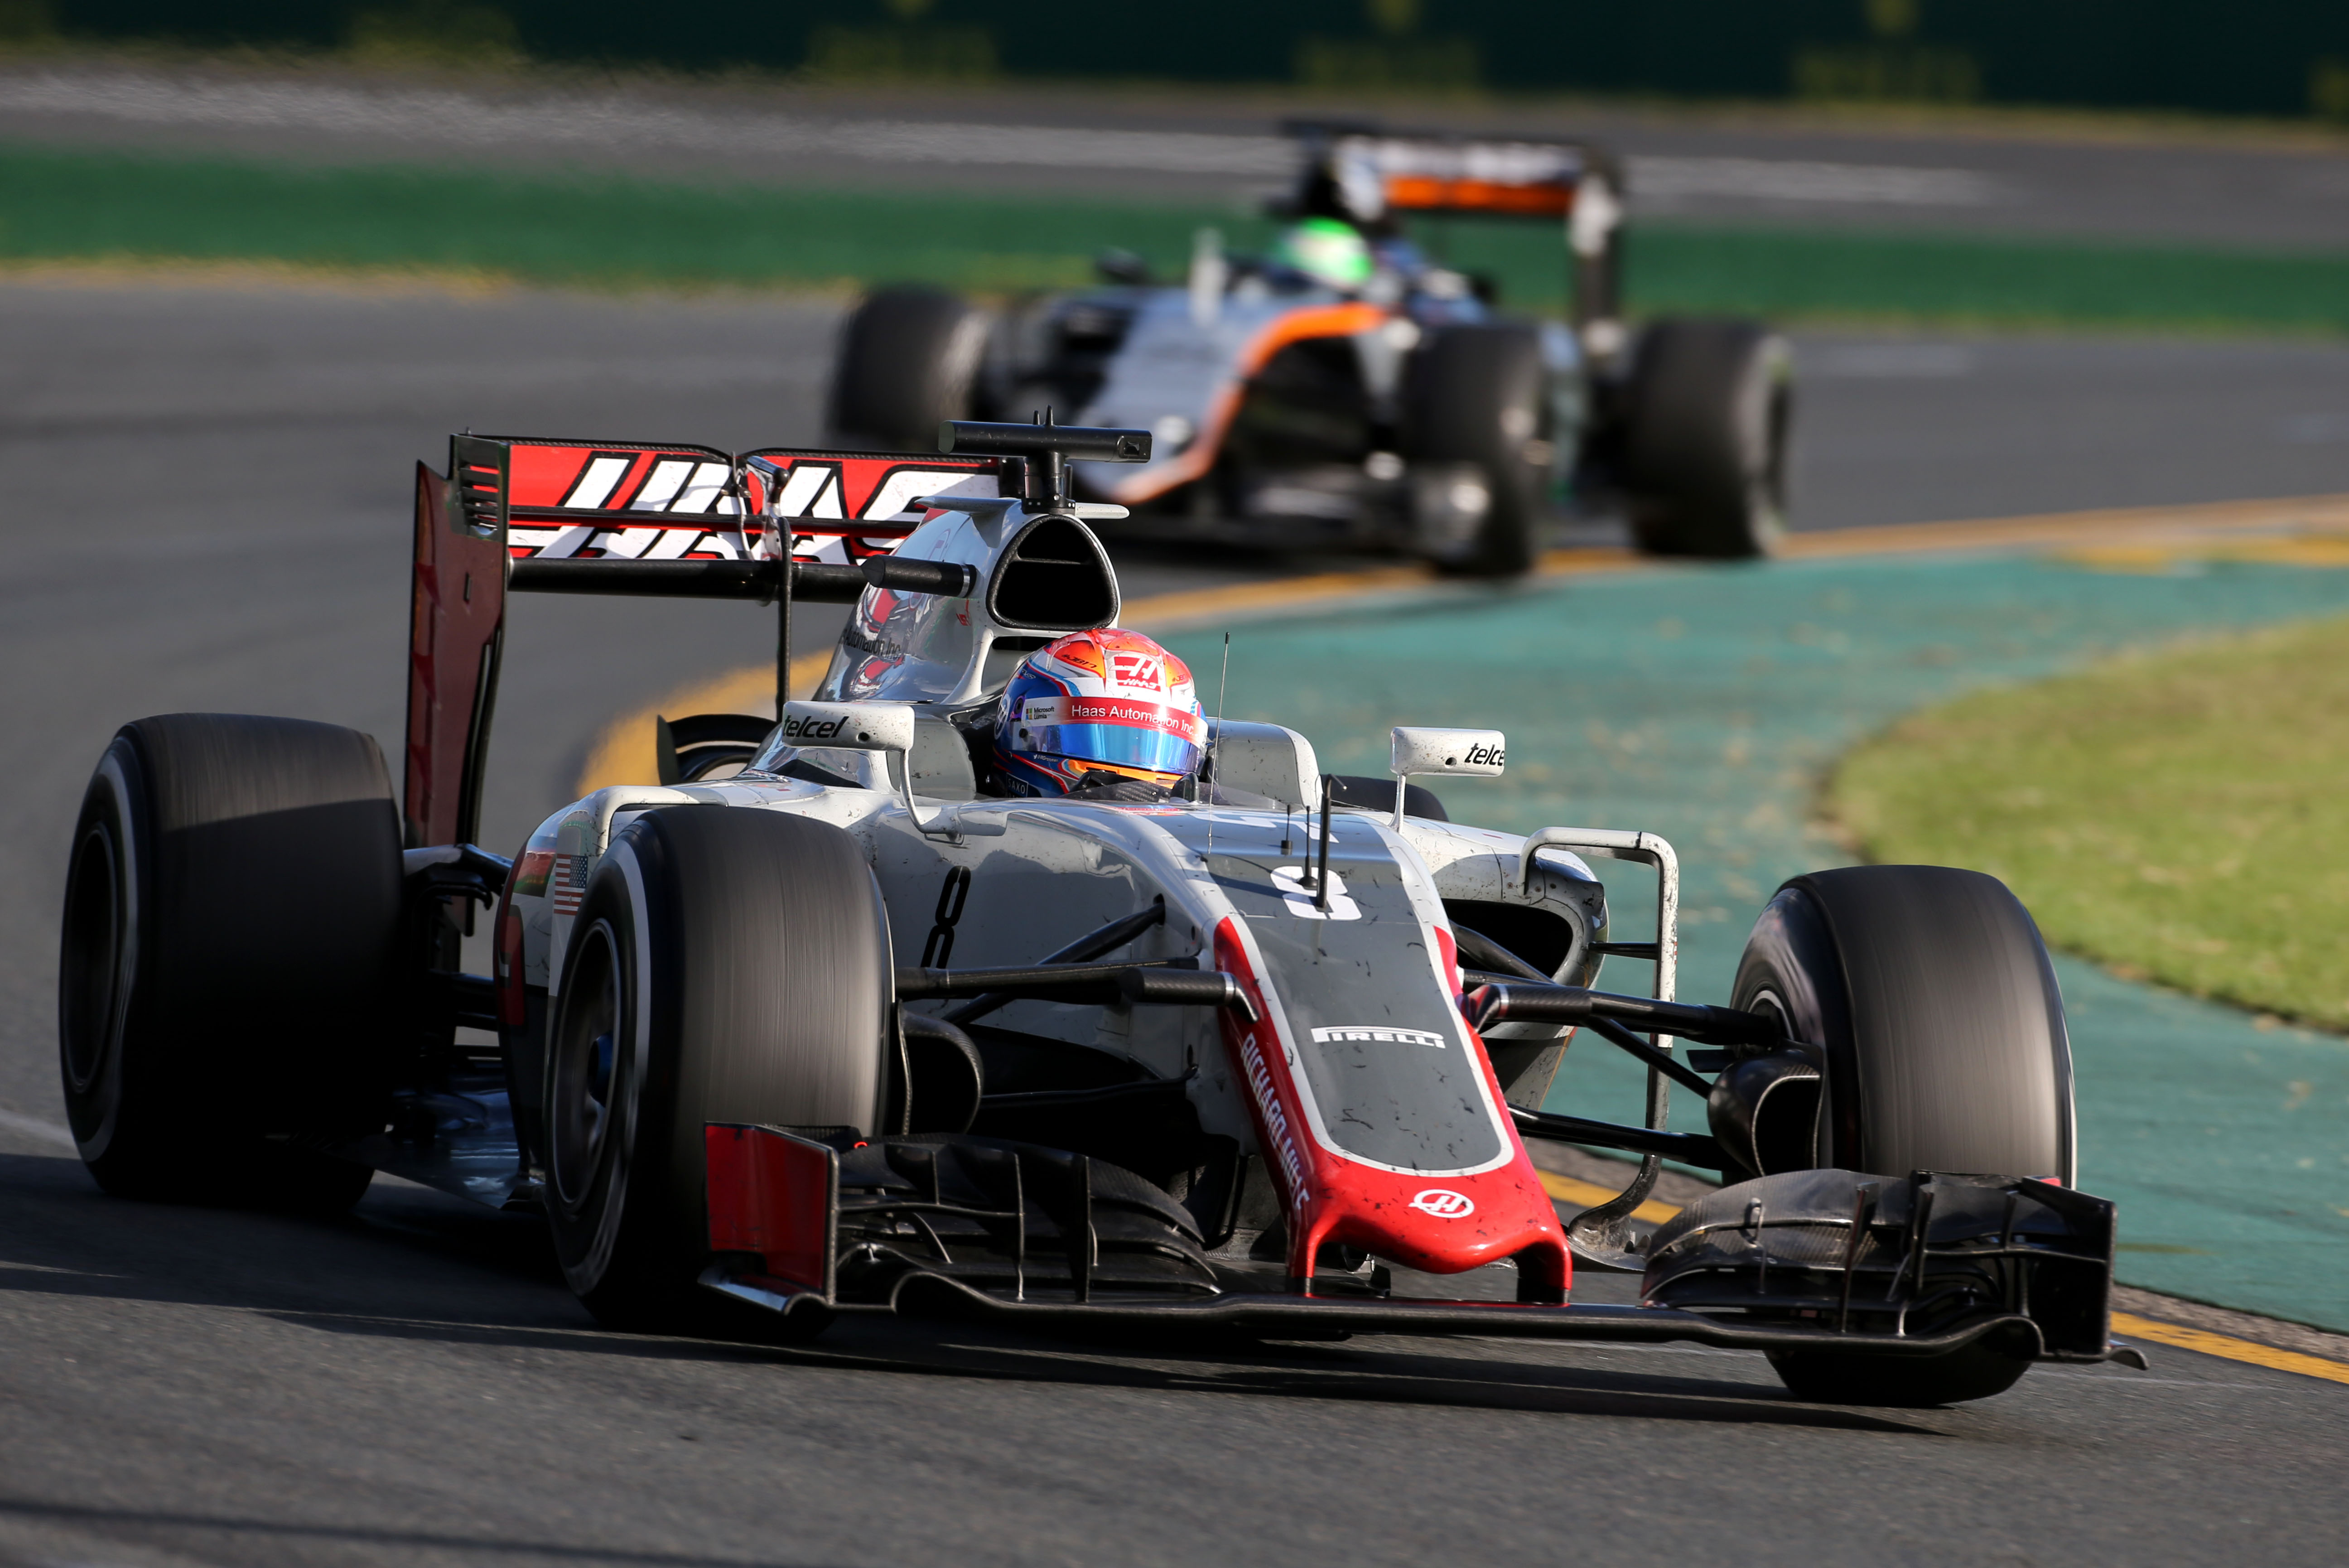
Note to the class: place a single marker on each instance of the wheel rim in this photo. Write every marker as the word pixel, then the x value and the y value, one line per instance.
pixel 587 1088
pixel 92 955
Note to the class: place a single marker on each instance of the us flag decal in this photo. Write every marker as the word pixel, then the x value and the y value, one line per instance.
pixel 570 883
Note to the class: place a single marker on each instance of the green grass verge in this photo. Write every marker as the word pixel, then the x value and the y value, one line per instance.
pixel 2181 816
pixel 593 232
pixel 614 232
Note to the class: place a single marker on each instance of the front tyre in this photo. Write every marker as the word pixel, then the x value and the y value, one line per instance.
pixel 1934 999
pixel 1478 394
pixel 1706 413
pixel 727 965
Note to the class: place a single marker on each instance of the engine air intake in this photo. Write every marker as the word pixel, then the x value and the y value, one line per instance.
pixel 1054 576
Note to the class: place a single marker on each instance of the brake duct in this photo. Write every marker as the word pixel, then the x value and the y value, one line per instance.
pixel 1765 1111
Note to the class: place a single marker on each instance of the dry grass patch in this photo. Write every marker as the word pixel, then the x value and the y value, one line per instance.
pixel 2182 814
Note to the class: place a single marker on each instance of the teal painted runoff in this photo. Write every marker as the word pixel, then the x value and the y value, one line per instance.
pixel 1706 704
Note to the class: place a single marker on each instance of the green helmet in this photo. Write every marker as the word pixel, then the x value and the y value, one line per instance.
pixel 1327 250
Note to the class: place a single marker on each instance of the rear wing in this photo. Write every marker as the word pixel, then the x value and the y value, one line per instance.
pixel 625 517
pixel 1368 176
pixel 612 501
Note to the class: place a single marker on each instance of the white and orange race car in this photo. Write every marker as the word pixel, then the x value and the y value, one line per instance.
pixel 1377 398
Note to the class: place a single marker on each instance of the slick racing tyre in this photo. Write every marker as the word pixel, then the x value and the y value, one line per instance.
pixel 1704 438
pixel 1931 994
pixel 227 996
pixel 909 359
pixel 1476 394
pixel 726 965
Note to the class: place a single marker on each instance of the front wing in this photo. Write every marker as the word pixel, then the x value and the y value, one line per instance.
pixel 1809 1261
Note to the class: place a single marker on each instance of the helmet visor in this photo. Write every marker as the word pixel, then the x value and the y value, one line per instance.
pixel 1116 731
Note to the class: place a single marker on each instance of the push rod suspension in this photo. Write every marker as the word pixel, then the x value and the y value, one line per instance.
pixel 1573 1004
pixel 1084 950
pixel 1663 1062
pixel 1689 1148
pixel 1134 984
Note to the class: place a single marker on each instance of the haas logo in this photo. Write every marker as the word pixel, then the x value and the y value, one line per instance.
pixel 1136 670
pixel 1444 1203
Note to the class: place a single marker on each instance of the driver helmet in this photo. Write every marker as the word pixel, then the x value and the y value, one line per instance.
pixel 1106 702
pixel 1327 251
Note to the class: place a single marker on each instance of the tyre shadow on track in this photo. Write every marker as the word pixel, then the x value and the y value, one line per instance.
pixel 412 1265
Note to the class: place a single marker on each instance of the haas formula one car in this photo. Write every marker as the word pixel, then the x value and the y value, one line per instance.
pixel 1346 387
pixel 826 1019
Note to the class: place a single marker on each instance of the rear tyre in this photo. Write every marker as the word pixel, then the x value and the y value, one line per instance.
pixel 1706 413
pixel 1931 994
pixel 227 995
pixel 909 359
pixel 726 965
pixel 1476 394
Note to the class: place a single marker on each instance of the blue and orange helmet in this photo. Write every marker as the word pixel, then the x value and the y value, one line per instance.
pixel 1106 701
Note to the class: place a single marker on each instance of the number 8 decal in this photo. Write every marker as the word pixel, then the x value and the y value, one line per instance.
pixel 939 949
pixel 1296 884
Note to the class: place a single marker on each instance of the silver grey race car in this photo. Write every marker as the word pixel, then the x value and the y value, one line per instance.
pixel 815 1021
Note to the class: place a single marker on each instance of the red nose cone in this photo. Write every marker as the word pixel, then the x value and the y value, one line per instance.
pixel 1437 1221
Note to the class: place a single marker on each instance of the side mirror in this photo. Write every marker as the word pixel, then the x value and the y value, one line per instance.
pixel 849 726
pixel 1471 754
pixel 884 727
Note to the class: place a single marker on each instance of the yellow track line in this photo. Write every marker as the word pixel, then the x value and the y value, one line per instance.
pixel 2229 1347
pixel 623 752
pixel 1591 1195
pixel 2138 525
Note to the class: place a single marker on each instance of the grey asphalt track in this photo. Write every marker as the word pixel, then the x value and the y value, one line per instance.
pixel 206 498
pixel 2078 179
pixel 1914 430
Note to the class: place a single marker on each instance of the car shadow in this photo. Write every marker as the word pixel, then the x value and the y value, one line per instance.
pixel 415 1265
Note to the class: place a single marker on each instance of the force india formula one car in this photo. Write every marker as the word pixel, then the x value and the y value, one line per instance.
pixel 813 1024
pixel 1348 389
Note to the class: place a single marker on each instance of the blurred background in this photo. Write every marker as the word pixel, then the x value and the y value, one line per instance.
pixel 2034 260
pixel 2281 58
